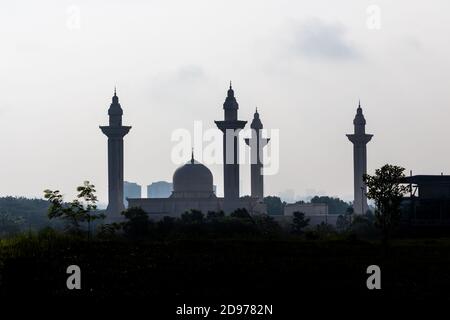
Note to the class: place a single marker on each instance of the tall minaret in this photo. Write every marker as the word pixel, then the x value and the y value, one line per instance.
pixel 256 144
pixel 359 140
pixel 115 133
pixel 230 128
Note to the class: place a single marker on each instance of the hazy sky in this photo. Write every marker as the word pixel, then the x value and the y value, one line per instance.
pixel 304 64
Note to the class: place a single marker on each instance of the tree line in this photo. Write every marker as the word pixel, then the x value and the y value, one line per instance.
pixel 82 217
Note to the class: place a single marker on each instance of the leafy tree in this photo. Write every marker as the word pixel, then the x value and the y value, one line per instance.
pixel 253 205
pixel 47 233
pixel 192 216
pixel 215 215
pixel 109 230
pixel 363 225
pixel 274 205
pixel 344 222
pixel 88 207
pixel 350 210
pixel 324 229
pixel 82 209
pixel 169 221
pixel 266 224
pixel 138 225
pixel 299 222
pixel 335 205
pixel 166 226
pixel 384 188
pixel 241 213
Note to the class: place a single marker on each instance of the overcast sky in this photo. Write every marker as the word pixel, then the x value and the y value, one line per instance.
pixel 304 64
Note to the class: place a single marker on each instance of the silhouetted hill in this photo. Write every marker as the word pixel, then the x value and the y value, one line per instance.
pixel 24 213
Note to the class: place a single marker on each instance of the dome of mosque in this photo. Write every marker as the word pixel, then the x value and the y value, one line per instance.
pixel 193 177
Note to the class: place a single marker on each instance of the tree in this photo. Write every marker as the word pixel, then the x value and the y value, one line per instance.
pixel 344 222
pixel 299 223
pixel 166 226
pixel 335 205
pixel 138 224
pixel 192 216
pixel 350 210
pixel 82 209
pixel 89 205
pixel 387 192
pixel 324 229
pixel 215 215
pixel 241 213
pixel 109 230
pixel 274 205
pixel 363 225
pixel 266 224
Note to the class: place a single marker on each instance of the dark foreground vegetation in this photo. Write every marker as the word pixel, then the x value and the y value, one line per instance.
pixel 212 255
pixel 35 265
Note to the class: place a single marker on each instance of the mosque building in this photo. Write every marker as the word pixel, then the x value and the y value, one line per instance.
pixel 193 187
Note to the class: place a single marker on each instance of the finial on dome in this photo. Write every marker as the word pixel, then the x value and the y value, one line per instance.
pixel 359 110
pixel 115 98
pixel 256 115
pixel 192 156
pixel 230 90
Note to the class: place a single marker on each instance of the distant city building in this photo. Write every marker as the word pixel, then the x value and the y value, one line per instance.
pixel 159 189
pixel 131 190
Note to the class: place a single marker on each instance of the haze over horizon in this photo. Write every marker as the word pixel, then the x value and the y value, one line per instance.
pixel 304 65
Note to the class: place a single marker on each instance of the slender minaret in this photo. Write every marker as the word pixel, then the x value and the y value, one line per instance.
pixel 256 144
pixel 230 128
pixel 359 140
pixel 115 133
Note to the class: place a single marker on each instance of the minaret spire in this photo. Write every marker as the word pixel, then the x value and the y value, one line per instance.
pixel 359 139
pixel 256 144
pixel 230 127
pixel 115 132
